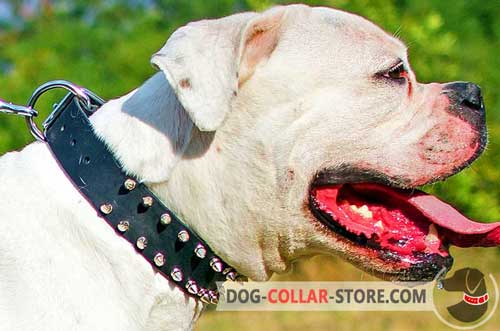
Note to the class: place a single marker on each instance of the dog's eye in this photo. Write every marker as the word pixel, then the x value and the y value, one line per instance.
pixel 398 72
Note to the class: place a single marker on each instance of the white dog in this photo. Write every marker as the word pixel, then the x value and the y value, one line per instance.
pixel 254 132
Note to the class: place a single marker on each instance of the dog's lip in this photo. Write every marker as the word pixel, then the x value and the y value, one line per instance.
pixel 453 227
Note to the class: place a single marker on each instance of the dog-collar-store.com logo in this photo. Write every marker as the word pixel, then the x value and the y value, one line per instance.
pixel 467 299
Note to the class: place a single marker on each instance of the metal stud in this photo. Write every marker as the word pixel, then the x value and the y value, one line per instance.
pixel 183 236
pixel 232 276
pixel 165 219
pixel 200 251
pixel 147 201
pixel 176 274
pixel 106 208
pixel 192 287
pixel 214 297
pixel 123 226
pixel 216 264
pixel 141 243
pixel 159 260
pixel 130 184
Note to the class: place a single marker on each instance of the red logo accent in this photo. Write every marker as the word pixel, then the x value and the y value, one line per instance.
pixel 475 301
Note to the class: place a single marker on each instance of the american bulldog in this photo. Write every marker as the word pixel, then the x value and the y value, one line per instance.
pixel 274 136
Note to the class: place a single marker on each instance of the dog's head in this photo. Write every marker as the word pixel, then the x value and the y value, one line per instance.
pixel 316 125
pixel 468 280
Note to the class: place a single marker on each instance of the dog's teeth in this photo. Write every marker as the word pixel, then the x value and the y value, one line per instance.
pixel 363 211
pixel 379 225
pixel 432 236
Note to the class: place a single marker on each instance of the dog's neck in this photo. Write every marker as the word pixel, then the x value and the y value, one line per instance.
pixel 153 137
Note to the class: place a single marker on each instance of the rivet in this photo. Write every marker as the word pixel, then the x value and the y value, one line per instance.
pixel 130 184
pixel 216 264
pixel 141 243
pixel 176 274
pixel 123 226
pixel 183 236
pixel 231 276
pixel 165 219
pixel 159 260
pixel 192 287
pixel 106 208
pixel 200 251
pixel 214 298
pixel 147 201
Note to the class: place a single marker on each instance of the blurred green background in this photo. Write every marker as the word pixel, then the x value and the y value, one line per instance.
pixel 106 45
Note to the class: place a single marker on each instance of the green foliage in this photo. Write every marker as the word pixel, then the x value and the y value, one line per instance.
pixel 106 46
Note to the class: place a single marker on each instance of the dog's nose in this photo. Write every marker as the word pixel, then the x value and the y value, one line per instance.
pixel 466 102
pixel 465 94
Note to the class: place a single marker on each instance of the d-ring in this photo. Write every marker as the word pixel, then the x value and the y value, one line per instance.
pixel 79 92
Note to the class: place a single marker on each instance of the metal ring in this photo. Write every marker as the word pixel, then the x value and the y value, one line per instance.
pixel 79 92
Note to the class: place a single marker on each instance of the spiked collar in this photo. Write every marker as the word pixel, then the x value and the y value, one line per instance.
pixel 128 206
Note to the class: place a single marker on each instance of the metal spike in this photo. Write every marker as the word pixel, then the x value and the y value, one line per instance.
pixel 202 291
pixel 200 251
pixel 192 287
pixel 214 297
pixel 216 264
pixel 165 219
pixel 232 276
pixel 147 201
pixel 106 208
pixel 130 184
pixel 176 274
pixel 123 226
pixel 183 236
pixel 159 260
pixel 141 243
pixel 205 298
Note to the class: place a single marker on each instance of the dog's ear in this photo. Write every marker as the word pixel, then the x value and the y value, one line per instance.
pixel 259 40
pixel 206 61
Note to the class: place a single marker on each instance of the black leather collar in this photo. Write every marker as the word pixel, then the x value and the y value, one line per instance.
pixel 128 206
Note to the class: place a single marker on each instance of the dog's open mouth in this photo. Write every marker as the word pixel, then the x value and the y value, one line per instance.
pixel 407 227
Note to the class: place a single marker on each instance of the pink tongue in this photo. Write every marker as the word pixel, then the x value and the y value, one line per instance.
pixel 457 228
